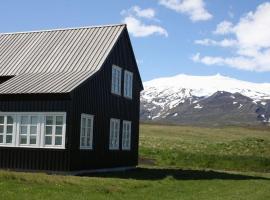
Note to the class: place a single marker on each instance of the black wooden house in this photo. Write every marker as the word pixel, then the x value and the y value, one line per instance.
pixel 69 99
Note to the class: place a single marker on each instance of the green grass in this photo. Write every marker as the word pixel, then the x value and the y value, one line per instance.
pixel 228 148
pixel 186 163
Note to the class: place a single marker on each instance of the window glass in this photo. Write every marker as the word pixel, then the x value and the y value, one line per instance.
pixel 86 140
pixel 116 80
pixel 114 134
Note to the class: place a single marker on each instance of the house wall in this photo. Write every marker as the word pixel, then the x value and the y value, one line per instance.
pixel 95 97
pixel 36 158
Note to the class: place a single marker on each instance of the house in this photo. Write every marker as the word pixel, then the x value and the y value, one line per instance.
pixel 69 99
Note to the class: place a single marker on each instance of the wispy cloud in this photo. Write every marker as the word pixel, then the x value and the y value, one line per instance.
pixel 134 18
pixel 195 9
pixel 252 42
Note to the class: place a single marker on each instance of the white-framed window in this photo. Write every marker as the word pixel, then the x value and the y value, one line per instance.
pixel 126 135
pixel 116 80
pixel 7 128
pixel 38 130
pixel 128 84
pixel 87 124
pixel 29 129
pixel 54 130
pixel 114 134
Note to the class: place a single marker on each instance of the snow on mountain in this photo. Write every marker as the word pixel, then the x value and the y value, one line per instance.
pixel 163 96
pixel 203 86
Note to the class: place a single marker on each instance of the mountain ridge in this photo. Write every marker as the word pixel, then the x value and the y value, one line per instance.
pixel 178 99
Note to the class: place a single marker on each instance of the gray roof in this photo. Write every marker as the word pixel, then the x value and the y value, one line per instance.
pixel 54 61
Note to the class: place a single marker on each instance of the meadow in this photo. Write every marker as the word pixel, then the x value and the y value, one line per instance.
pixel 176 162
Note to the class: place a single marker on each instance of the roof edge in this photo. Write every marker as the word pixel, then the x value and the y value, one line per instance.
pixel 64 29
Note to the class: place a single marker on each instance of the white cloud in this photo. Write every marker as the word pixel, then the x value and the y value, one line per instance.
pixel 195 9
pixel 139 29
pixel 222 43
pixel 134 16
pixel 223 28
pixel 148 13
pixel 252 42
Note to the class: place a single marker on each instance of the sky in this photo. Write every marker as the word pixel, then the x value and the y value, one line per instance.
pixel 169 37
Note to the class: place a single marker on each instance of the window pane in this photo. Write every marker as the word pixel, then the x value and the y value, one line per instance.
pixel 23 130
pixel 59 120
pixel 83 141
pixel 1 128
pixel 9 139
pixel 1 138
pixel 88 142
pixel 58 140
pixel 24 120
pixel 9 129
pixel 1 119
pixel 34 120
pixel 49 120
pixel 89 123
pixel 48 140
pixel 83 122
pixel 33 139
pixel 83 132
pixel 9 120
pixel 33 130
pixel 23 139
pixel 48 130
pixel 58 130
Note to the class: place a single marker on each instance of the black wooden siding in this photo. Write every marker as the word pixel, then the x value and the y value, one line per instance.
pixel 95 97
pixel 92 97
pixel 36 158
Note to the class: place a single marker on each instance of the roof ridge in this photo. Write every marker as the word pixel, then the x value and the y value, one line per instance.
pixel 64 29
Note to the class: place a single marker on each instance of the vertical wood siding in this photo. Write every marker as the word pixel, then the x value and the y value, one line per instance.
pixel 35 158
pixel 95 97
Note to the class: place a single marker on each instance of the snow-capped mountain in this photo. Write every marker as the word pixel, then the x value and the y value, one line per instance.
pixel 205 99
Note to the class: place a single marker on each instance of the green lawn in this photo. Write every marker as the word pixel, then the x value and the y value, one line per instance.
pixel 177 163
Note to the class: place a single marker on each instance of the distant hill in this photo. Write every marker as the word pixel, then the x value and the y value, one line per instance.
pixel 210 100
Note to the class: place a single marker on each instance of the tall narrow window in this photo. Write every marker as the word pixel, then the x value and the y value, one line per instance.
pixel 87 122
pixel 6 129
pixel 54 130
pixel 128 84
pixel 126 136
pixel 116 80
pixel 114 134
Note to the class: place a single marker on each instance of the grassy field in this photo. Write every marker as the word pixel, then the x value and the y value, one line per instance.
pixel 177 163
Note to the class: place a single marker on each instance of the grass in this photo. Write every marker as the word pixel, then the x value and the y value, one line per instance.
pixel 186 163
pixel 227 148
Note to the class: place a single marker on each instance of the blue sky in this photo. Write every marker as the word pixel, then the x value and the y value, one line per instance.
pixel 169 37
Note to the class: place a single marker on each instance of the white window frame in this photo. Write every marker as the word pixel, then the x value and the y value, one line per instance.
pixel 28 135
pixel 40 132
pixel 126 135
pixel 4 134
pixel 128 84
pixel 86 117
pixel 116 80
pixel 114 134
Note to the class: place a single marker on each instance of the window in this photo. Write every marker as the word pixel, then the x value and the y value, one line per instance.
pixel 87 122
pixel 128 82
pixel 114 134
pixel 116 79
pixel 126 136
pixel 6 129
pixel 32 130
pixel 28 129
pixel 54 128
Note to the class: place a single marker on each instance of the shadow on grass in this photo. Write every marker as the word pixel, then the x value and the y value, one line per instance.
pixel 179 174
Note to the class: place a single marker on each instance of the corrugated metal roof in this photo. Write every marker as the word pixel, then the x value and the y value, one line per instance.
pixel 54 61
